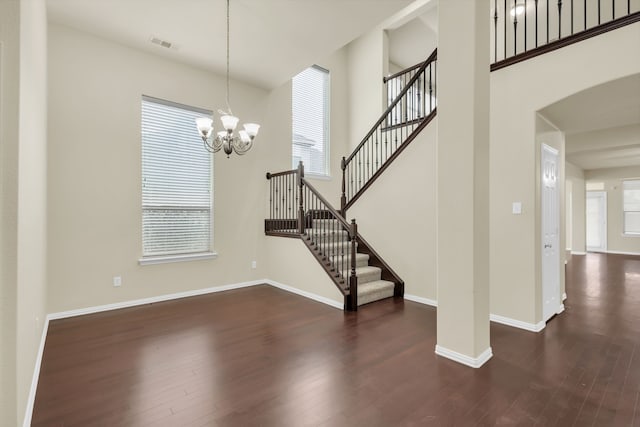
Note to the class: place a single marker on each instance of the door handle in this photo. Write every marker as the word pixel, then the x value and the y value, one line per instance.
pixel 548 245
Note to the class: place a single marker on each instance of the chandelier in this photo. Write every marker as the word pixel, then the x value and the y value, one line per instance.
pixel 226 139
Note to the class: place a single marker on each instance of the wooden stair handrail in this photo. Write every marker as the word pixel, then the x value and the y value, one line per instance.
pixel 425 121
pixel 432 57
pixel 330 208
pixel 385 79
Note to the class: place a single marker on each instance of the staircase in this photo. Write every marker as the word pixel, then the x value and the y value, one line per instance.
pixel 298 210
pixel 371 286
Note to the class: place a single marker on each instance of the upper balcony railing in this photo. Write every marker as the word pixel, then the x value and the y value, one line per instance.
pixel 526 28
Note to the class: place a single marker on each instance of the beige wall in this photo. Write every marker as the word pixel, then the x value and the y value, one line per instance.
pixel 612 179
pixel 397 215
pixel 23 118
pixel 94 175
pixel 575 177
pixel 9 120
pixel 517 92
pixel 368 63
pixel 292 264
pixel 32 193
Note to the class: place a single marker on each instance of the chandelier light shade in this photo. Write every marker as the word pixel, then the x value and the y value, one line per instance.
pixel 226 139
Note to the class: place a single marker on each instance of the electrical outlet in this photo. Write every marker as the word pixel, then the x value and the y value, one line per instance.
pixel 117 281
pixel 254 264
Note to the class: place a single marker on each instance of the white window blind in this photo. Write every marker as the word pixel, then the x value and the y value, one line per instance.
pixel 176 181
pixel 631 206
pixel 310 119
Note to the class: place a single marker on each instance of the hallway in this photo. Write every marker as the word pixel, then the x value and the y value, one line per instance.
pixel 262 356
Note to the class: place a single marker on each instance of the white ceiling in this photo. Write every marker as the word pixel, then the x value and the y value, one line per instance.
pixel 271 40
pixel 605 148
pixel 601 124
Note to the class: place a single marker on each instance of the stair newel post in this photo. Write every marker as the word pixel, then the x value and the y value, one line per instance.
pixel 353 279
pixel 343 197
pixel 301 225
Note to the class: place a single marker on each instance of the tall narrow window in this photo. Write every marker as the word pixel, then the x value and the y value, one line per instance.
pixel 631 206
pixel 310 118
pixel 176 181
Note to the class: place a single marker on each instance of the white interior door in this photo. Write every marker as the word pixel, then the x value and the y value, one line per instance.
pixel 597 221
pixel 550 217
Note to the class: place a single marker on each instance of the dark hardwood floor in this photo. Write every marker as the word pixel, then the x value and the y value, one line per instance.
pixel 262 356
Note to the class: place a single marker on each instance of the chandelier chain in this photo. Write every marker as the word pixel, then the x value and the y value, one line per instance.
pixel 228 106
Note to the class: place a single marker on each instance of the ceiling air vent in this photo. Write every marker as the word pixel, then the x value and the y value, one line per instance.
pixel 160 42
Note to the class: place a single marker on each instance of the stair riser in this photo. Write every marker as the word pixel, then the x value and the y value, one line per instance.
pixel 365 277
pixel 331 249
pixel 375 296
pixel 347 261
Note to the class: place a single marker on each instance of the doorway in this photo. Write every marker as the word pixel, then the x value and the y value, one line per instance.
pixel 596 221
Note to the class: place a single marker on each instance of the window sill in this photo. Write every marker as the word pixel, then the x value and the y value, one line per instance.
pixel 177 258
pixel 630 234
pixel 318 177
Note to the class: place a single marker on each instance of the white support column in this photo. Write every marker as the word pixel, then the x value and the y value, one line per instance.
pixel 463 181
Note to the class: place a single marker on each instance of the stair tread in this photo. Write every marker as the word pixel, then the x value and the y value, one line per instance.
pixel 364 270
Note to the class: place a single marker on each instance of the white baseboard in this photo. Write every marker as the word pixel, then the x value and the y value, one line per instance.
pixel 151 300
pixel 564 296
pixel 623 253
pixel 560 309
pixel 493 317
pixel 36 375
pixel 474 362
pixel 531 327
pixel 315 297
pixel 421 300
pixel 578 253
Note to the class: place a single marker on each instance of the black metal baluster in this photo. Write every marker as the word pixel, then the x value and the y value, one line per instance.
pixel 613 9
pixel 571 16
pixel 598 12
pixel 515 29
pixel 559 19
pixel 505 29
pixel 628 7
pixel 585 14
pixel 376 151
pixel 352 174
pixel 547 21
pixel 495 30
pixel 281 223
pixel 536 23
pixel 365 166
pixel 424 90
pixel 525 25
pixel 323 232
pixel 270 202
pixel 435 75
pixel 430 89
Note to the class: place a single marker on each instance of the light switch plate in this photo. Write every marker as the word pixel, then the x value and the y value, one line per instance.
pixel 516 208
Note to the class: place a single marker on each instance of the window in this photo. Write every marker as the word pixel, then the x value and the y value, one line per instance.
pixel 631 206
pixel 310 119
pixel 176 181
